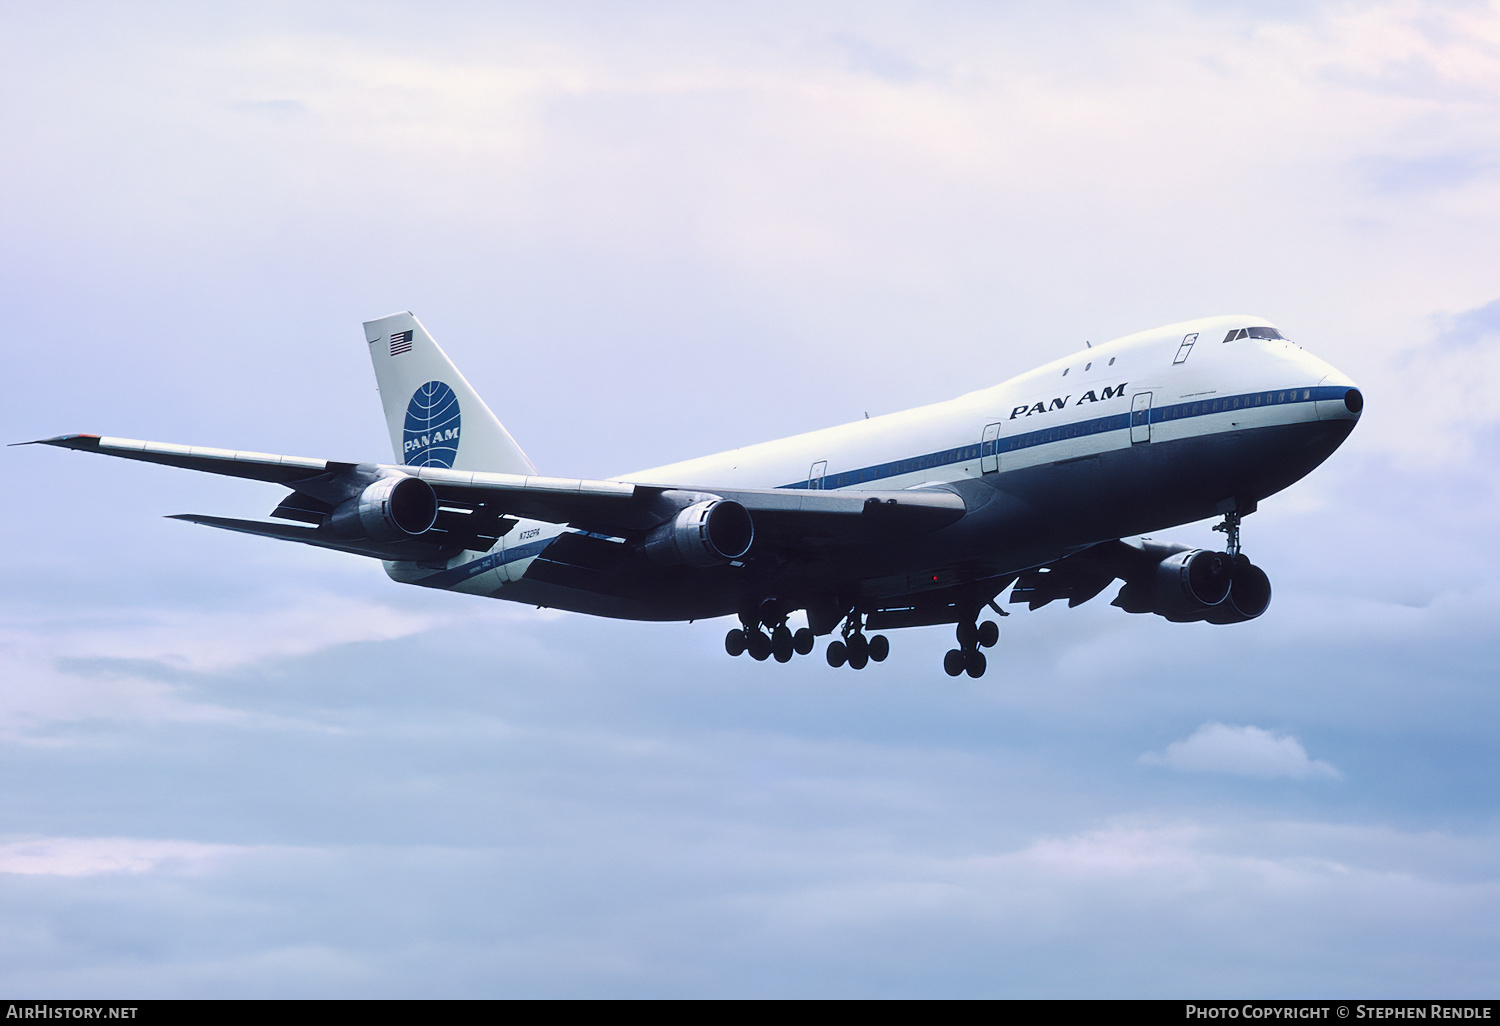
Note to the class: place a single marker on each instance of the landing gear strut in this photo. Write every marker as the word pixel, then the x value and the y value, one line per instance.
pixel 967 658
pixel 1231 529
pixel 854 648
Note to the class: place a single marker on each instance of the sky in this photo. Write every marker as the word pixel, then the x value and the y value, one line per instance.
pixel 650 231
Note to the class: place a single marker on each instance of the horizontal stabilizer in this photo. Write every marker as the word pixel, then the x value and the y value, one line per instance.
pixel 414 551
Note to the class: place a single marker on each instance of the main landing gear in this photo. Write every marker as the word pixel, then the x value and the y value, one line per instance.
pixel 851 648
pixel 854 648
pixel 782 642
pixel 967 658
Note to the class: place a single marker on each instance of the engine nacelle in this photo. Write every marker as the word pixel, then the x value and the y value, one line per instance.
pixel 390 509
pixel 704 534
pixel 1249 595
pixel 1185 586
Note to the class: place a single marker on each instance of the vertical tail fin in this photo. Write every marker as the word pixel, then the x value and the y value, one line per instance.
pixel 435 417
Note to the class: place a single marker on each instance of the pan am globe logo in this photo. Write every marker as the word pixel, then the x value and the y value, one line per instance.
pixel 431 427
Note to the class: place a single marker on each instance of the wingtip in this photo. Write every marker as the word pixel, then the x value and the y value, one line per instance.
pixel 74 441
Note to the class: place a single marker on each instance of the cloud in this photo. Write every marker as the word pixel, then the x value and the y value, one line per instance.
pixel 96 856
pixel 1400 173
pixel 1241 751
pixel 213 642
pixel 271 108
pixel 1471 326
pixel 142 665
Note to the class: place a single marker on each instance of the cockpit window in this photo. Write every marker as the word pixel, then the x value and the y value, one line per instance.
pixel 1240 333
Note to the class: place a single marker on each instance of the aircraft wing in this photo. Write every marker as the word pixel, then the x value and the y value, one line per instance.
pixel 1081 575
pixel 475 506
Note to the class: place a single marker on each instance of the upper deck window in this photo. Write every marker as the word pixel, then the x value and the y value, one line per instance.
pixel 1240 333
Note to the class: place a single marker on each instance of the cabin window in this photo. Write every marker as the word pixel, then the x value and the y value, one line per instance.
pixel 1065 372
pixel 1087 367
pixel 1111 361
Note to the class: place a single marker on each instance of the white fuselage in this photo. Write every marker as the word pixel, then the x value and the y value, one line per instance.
pixel 1072 409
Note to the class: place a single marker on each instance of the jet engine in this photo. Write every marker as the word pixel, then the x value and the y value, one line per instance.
pixel 1184 586
pixel 704 534
pixel 1249 594
pixel 390 509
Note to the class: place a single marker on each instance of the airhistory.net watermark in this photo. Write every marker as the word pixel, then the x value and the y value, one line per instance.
pixel 44 1010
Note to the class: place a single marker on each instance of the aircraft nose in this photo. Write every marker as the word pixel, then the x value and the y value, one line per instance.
pixel 1339 399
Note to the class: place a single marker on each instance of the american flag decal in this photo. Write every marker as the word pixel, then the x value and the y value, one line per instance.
pixel 400 343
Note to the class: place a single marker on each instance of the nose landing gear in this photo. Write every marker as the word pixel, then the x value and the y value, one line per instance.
pixel 1231 529
pixel 1250 588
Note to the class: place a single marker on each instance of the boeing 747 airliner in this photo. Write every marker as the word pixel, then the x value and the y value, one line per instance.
pixel 1042 485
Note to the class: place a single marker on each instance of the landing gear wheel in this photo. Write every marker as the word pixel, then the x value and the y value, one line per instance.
pixel 838 654
pixel 759 646
pixel 880 647
pixel 989 633
pixel 967 633
pixel 953 662
pixel 859 649
pixel 974 663
pixel 735 643
pixel 781 644
pixel 803 641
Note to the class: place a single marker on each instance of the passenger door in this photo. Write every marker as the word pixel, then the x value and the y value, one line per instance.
pixel 989 449
pixel 1140 417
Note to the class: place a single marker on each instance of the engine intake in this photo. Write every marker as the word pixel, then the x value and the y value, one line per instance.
pixel 390 509
pixel 1249 595
pixel 703 534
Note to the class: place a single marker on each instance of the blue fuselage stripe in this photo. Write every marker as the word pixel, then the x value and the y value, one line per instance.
pixel 1076 429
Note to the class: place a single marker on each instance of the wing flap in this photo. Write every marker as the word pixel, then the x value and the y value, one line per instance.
pixel 843 518
pixel 623 508
pixel 1080 576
